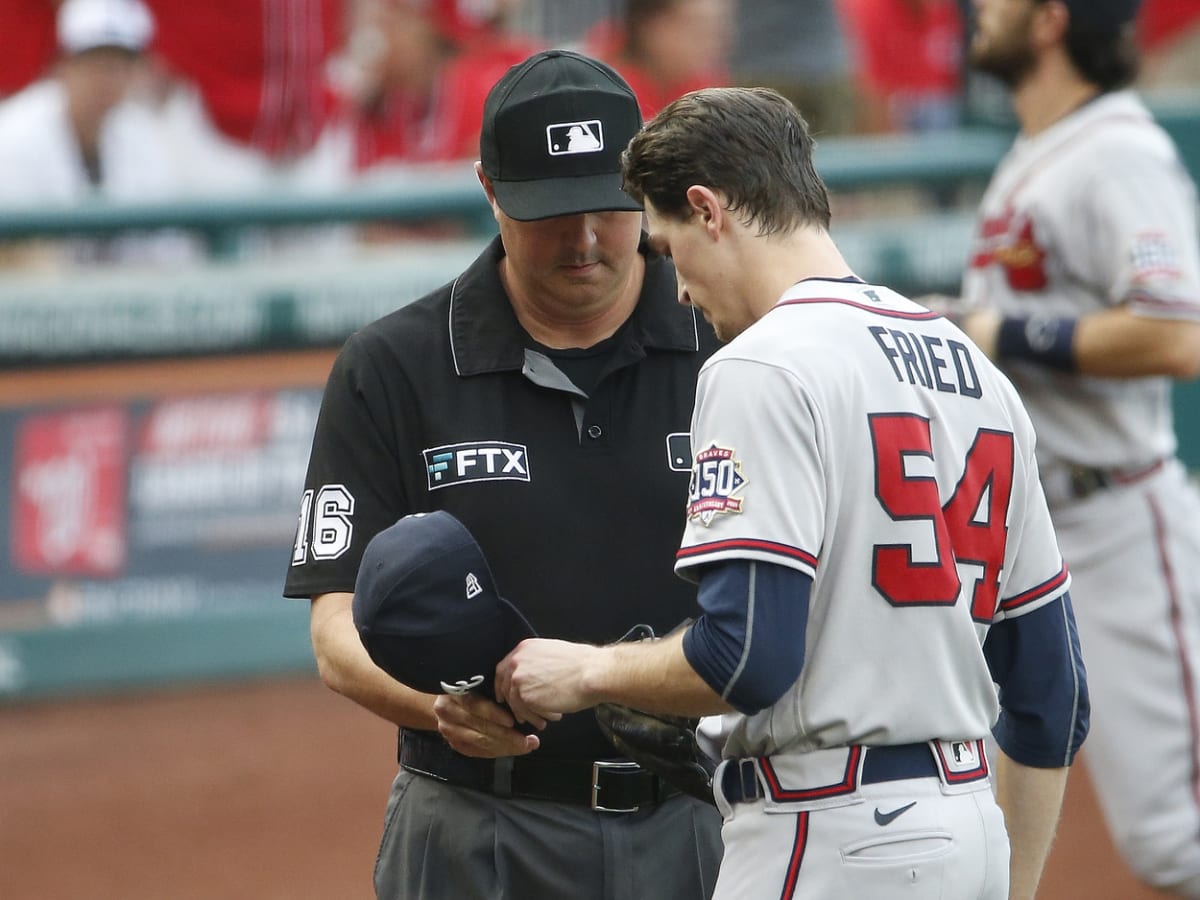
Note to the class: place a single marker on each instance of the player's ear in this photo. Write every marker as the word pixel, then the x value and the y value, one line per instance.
pixel 707 206
pixel 1050 23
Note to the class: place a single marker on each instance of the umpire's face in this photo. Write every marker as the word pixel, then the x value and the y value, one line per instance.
pixel 582 263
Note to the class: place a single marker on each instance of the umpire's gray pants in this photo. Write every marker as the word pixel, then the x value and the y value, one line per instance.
pixel 442 842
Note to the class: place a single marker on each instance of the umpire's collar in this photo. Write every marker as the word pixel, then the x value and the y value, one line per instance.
pixel 485 335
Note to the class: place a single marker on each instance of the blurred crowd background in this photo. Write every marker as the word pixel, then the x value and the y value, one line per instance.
pixel 146 100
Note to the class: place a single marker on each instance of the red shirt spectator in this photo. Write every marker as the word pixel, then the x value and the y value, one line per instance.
pixel 29 42
pixel 259 65
pixel 435 126
pixel 1161 21
pixel 665 48
pixel 909 56
pixel 432 81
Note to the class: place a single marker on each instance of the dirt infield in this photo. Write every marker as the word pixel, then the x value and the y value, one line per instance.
pixel 267 790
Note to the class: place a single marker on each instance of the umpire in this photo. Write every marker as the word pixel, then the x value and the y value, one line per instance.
pixel 543 398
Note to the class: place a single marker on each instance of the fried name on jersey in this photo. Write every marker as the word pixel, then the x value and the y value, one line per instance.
pixel 929 361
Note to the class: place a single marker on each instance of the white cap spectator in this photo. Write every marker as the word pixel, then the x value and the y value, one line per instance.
pixel 88 24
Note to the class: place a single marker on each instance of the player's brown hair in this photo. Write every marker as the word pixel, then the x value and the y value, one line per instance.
pixel 751 144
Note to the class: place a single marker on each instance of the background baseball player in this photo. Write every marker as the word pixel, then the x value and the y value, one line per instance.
pixel 872 546
pixel 1086 277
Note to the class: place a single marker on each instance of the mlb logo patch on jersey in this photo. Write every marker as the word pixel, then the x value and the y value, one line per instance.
pixel 476 461
pixel 1153 255
pixel 568 138
pixel 716 477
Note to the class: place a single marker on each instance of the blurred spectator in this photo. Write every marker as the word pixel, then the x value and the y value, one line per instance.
pixel 554 23
pixel 908 56
pixel 425 78
pixel 27 27
pixel 254 108
pixel 78 134
pixel 665 48
pixel 1169 35
pixel 799 48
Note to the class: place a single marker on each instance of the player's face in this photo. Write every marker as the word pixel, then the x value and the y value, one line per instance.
pixel 1001 44
pixel 702 278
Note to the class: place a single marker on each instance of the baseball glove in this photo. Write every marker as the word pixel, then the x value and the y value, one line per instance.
pixel 665 745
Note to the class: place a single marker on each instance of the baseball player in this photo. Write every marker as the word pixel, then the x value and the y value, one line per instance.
pixel 1084 279
pixel 871 543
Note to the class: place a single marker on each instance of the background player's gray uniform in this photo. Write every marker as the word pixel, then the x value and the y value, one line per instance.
pixel 1095 212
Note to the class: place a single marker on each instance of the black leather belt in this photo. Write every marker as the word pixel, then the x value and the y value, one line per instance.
pixel 1086 481
pixel 740 784
pixel 605 785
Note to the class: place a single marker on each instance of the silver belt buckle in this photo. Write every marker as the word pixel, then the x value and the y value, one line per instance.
pixel 599 766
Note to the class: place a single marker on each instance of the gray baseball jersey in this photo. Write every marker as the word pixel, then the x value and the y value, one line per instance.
pixel 1093 212
pixel 856 436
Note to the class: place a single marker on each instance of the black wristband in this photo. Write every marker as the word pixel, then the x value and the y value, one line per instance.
pixel 1041 339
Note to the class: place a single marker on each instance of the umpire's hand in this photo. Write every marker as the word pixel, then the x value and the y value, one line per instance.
pixel 475 726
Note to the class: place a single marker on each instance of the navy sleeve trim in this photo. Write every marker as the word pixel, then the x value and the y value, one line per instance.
pixel 748 645
pixel 1044 704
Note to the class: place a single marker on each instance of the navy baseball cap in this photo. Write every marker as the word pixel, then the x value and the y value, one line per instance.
pixel 427 609
pixel 554 127
pixel 1103 15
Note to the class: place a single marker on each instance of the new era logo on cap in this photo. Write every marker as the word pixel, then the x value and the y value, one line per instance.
pixel 575 137
pixel 427 608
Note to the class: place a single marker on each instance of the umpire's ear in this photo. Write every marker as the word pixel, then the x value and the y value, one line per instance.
pixel 488 190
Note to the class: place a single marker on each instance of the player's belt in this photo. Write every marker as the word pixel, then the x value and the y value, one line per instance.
pixel 605 785
pixel 740 782
pixel 1072 483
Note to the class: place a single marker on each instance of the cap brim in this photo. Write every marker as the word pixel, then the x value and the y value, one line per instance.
pixel 527 201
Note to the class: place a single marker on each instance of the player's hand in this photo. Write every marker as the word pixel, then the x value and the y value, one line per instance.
pixel 542 679
pixel 475 726
pixel 982 326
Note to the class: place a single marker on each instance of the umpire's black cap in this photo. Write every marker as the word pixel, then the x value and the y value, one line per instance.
pixel 427 609
pixel 554 127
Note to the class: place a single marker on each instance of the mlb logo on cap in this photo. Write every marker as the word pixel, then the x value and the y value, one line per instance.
pixel 575 137
pixel 427 609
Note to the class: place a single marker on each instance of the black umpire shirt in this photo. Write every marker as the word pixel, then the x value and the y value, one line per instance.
pixel 578 501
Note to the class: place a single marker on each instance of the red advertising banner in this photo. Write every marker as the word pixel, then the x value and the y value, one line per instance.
pixel 69 514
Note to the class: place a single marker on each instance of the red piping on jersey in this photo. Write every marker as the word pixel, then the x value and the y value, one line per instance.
pixel 1036 593
pixel 1185 672
pixel 747 544
pixel 847 785
pixel 793 869
pixel 1184 308
pixel 866 307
